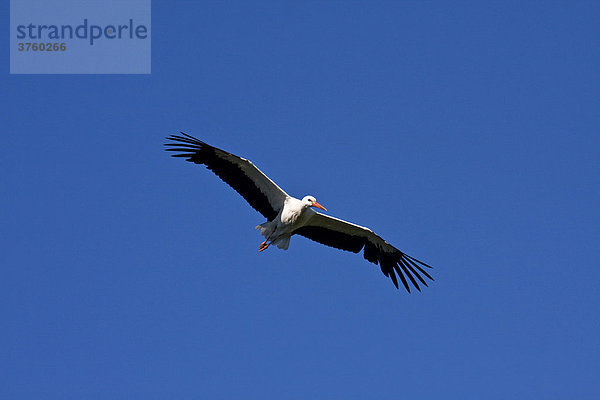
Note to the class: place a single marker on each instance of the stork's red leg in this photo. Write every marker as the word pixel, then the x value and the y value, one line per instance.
pixel 263 246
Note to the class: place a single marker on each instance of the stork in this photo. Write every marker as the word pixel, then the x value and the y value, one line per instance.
pixel 287 216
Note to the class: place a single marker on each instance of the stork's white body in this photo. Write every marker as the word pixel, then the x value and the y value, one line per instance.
pixel 294 214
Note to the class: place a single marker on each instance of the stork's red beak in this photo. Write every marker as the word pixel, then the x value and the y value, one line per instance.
pixel 315 204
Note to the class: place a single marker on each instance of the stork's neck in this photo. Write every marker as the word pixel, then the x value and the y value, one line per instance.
pixel 293 210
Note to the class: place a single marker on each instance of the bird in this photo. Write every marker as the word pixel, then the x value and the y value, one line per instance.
pixel 287 216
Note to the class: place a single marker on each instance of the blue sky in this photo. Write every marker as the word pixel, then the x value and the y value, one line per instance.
pixel 466 134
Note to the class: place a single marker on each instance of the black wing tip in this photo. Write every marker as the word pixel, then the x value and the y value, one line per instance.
pixel 389 271
pixel 415 273
pixel 394 280
pixel 407 273
pixel 397 263
pixel 410 262
pixel 183 138
pixel 186 146
pixel 418 261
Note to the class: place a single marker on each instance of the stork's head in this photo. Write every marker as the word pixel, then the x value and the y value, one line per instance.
pixel 309 201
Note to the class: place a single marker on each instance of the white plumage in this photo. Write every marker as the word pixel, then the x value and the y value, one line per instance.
pixel 287 216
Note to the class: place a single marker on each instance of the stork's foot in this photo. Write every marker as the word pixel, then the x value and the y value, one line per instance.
pixel 263 246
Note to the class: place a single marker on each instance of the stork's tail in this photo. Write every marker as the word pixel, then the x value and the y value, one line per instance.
pixel 283 242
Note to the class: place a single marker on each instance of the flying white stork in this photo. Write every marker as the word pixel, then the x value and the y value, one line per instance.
pixel 289 216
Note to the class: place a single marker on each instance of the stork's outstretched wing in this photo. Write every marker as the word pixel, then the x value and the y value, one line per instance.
pixel 347 236
pixel 259 191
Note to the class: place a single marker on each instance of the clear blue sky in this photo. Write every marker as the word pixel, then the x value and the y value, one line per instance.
pixel 466 134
